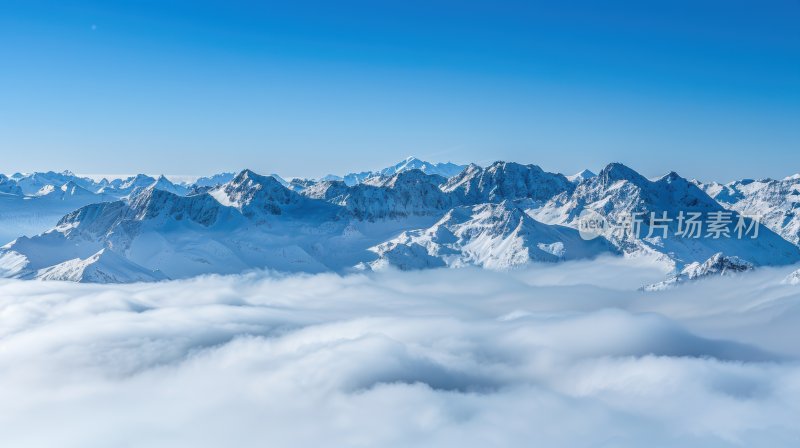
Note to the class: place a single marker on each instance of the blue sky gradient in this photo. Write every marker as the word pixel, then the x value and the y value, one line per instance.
pixel 710 89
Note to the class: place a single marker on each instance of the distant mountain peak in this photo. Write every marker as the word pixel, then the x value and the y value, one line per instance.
pixel 582 175
pixel 138 180
pixel 250 176
pixel 506 180
pixel 73 189
pixel 614 172
pixel 254 194
pixel 445 169
pixel 245 174
pixel 405 177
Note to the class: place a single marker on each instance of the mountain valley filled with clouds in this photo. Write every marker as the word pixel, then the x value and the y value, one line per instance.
pixel 564 354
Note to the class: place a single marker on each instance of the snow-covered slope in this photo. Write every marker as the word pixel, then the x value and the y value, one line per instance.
pixel 717 265
pixel 497 236
pixel 105 266
pixel 775 202
pixel 620 194
pixel 72 189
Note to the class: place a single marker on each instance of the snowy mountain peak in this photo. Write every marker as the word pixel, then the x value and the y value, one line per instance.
pixel 156 204
pixel 717 265
pixel 446 169
pixel 215 180
pixel 404 194
pixel 496 236
pixel 248 178
pixel 245 175
pixel 410 163
pixel 254 194
pixel 31 184
pixel 619 193
pixel 162 183
pixel 506 180
pixel 776 202
pixel 139 180
pixel 409 177
pixel 581 176
pixel 615 172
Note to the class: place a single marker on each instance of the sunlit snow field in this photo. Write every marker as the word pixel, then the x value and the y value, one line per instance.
pixel 556 355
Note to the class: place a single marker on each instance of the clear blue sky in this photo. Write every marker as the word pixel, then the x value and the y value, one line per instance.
pixel 710 89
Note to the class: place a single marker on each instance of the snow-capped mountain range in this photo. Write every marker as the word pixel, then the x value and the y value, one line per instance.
pixel 446 169
pixel 777 202
pixel 412 215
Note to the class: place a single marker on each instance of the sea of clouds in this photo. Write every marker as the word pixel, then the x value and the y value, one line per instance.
pixel 568 355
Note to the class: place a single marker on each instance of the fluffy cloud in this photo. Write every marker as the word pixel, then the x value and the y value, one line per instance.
pixel 564 355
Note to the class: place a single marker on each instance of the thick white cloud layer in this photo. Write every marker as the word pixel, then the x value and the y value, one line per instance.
pixel 564 355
